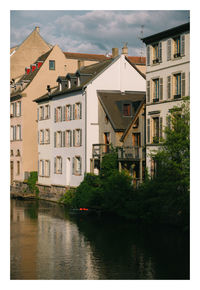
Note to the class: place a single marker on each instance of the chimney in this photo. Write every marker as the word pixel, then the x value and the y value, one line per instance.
pixel 125 49
pixel 115 52
pixel 80 64
pixel 48 89
pixel 37 28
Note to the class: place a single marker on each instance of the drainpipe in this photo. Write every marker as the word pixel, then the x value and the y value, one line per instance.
pixel 85 93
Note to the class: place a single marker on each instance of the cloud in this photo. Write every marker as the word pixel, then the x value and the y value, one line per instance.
pixel 93 31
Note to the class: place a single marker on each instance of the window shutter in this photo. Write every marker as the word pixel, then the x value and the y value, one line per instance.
pixel 74 138
pixel 20 108
pixel 148 130
pixel 60 114
pixel 38 167
pixel 161 88
pixel 15 109
pixel 73 111
pixel 169 49
pixel 80 165
pixel 80 110
pixel 54 139
pixel 63 139
pixel 148 91
pixel 73 165
pixel 160 51
pixel 70 138
pixel 20 132
pixel 63 113
pixel 61 164
pixel 182 44
pixel 161 127
pixel 42 167
pixel 183 84
pixel 49 112
pixel 49 168
pixel 169 87
pixel 38 114
pixel 55 115
pixel 14 132
pixel 71 115
pixel 80 137
pixel 148 55
pixel 54 164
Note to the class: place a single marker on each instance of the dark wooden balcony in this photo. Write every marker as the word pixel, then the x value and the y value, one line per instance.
pixel 127 153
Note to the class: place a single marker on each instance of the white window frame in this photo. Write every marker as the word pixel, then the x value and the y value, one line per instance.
pixel 47 136
pixel 58 165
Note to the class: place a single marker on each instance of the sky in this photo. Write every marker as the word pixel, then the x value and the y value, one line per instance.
pixel 94 31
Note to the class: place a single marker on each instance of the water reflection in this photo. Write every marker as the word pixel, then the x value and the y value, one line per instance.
pixel 48 243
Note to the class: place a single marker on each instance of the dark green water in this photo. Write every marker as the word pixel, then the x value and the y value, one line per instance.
pixel 49 243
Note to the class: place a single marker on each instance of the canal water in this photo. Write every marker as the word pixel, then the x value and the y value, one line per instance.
pixel 49 242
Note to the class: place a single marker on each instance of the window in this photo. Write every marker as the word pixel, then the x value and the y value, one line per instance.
pixel 11 153
pixel 127 110
pixel 18 109
pixel 12 133
pixel 157 89
pixel 78 113
pixel 177 86
pixel 68 138
pixel 12 110
pixel 58 114
pixel 58 139
pixel 58 165
pixel 18 167
pixel 47 136
pixel 157 53
pixel 157 129
pixel 77 165
pixel 47 112
pixel 18 132
pixel 41 113
pixel 68 116
pixel 46 168
pixel 136 139
pixel 18 152
pixel 177 47
pixel 41 137
pixel 77 137
pixel 52 65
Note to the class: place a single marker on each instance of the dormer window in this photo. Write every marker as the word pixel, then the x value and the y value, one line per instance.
pixel 33 67
pixel 69 84
pixel 27 70
pixel 52 65
pixel 39 63
pixel 127 110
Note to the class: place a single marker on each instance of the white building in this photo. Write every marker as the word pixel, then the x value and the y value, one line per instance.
pixel 73 119
pixel 167 81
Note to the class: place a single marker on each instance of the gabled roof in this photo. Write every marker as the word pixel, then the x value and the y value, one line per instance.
pixel 112 103
pixel 85 56
pixel 92 71
pixel 29 77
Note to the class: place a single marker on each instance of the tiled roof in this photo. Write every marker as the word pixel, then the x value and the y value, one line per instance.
pixel 85 56
pixel 92 71
pixel 112 104
pixel 137 60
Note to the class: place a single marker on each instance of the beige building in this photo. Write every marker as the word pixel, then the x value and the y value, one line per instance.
pixel 23 111
pixel 26 53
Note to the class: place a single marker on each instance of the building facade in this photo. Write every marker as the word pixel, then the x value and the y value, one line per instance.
pixel 74 118
pixel 167 82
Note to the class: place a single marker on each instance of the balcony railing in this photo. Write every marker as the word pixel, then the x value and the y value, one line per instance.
pixel 128 153
pixel 131 153
pixel 177 97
